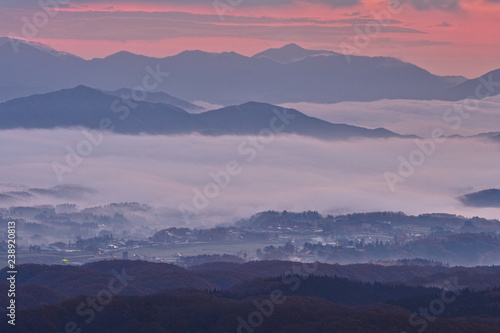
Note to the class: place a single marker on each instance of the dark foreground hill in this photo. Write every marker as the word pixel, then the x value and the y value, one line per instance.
pixel 197 311
pixel 43 284
pixel 136 296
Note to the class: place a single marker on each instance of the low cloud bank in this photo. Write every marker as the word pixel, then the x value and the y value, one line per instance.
pixel 290 172
pixel 411 116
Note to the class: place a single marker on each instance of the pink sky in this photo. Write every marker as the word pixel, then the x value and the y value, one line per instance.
pixel 446 37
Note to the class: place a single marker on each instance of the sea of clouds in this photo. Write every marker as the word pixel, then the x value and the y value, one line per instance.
pixel 287 172
pixel 411 116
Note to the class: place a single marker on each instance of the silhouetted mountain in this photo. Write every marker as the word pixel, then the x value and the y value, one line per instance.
pixel 230 78
pixel 252 117
pixel 489 135
pixel 87 107
pixel 478 88
pixel 22 45
pixel 455 79
pixel 28 68
pixel 486 198
pixel 158 97
pixel 292 52
pixel 224 78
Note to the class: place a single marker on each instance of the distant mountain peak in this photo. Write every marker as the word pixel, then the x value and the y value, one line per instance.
pixel 83 89
pixel 125 55
pixel 253 104
pixel 4 40
pixel 291 53
pixel 16 43
pixel 196 53
pixel 317 76
pixel 468 88
pixel 292 46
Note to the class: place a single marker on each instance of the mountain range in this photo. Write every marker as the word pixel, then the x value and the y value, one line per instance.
pixel 91 108
pixel 495 136
pixel 287 74
pixel 157 97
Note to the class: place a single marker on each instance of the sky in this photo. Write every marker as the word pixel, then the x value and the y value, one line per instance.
pixel 446 37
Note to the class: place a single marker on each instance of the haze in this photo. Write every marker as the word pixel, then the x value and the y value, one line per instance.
pixel 292 173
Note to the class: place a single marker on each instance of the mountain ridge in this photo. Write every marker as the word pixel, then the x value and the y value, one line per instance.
pixel 158 97
pixel 229 78
pixel 292 52
pixel 86 107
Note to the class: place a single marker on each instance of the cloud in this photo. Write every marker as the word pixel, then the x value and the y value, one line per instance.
pixel 443 5
pixel 126 26
pixel 248 3
pixel 445 24
pixel 389 42
pixel 292 173
pixel 242 3
pixel 31 4
pixel 406 116
pixel 425 42
pixel 337 3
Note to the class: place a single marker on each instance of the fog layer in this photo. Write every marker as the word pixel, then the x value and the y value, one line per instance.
pixel 281 173
pixel 412 116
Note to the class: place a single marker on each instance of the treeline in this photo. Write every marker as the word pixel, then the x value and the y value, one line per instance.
pixel 334 289
pixel 197 311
